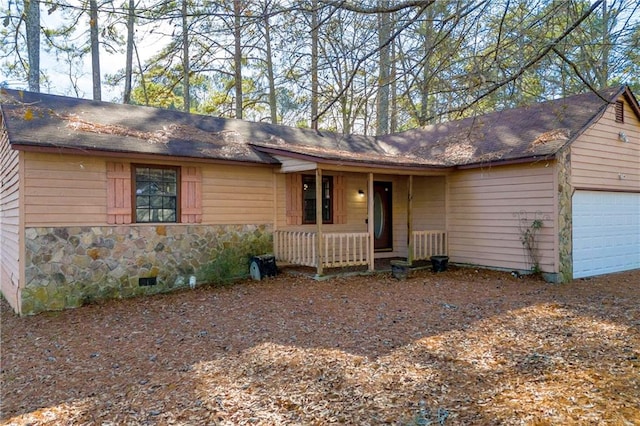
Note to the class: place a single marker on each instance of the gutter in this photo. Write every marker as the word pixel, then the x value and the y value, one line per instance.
pixel 350 162
pixel 508 162
pixel 25 147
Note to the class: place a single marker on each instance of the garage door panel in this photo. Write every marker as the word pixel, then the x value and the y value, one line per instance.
pixel 606 232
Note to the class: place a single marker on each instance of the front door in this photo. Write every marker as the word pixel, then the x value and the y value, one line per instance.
pixel 382 222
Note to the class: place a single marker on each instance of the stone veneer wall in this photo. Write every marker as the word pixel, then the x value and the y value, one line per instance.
pixel 70 266
pixel 565 219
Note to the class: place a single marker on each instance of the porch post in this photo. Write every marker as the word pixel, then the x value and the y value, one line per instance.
pixel 370 222
pixel 319 188
pixel 410 221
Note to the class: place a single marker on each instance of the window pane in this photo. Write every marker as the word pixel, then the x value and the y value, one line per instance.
pixel 327 213
pixel 142 201
pixel 156 202
pixel 142 215
pixel 167 215
pixel 169 203
pixel 170 176
pixel 156 194
pixel 309 199
pixel 155 175
pixel 170 188
pixel 142 174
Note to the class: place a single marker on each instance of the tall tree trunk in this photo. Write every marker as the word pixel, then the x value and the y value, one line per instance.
pixel 95 52
pixel 272 85
pixel 143 83
pixel 393 114
pixel 185 59
pixel 427 43
pixel 384 32
pixel 32 12
pixel 604 65
pixel 129 58
pixel 344 109
pixel 314 64
pixel 237 56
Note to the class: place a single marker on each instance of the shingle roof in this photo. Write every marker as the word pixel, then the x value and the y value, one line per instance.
pixel 43 120
pixel 536 131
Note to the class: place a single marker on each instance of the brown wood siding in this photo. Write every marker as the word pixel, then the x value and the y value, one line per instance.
pixel 237 195
pixel 600 160
pixel 483 215
pixel 429 208
pixel 62 190
pixel 9 222
pixel 400 188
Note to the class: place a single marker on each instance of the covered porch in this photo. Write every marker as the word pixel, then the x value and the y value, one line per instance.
pixel 374 215
pixel 345 249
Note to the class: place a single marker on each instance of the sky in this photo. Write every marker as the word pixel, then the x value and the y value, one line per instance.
pixel 110 63
pixel 58 71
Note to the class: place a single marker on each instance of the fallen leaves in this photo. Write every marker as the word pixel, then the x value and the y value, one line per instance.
pixel 460 347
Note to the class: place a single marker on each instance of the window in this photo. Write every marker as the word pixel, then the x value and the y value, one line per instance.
pixel 147 194
pixel 309 199
pixel 301 199
pixel 156 194
pixel 619 112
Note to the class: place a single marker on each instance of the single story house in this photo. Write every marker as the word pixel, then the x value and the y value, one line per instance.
pixel 102 200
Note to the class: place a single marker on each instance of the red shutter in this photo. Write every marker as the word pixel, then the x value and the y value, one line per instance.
pixel 118 193
pixel 191 195
pixel 339 200
pixel 294 198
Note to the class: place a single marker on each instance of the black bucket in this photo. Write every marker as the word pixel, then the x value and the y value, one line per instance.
pixel 400 269
pixel 439 263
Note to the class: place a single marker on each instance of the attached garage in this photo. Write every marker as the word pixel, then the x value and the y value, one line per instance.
pixel 606 232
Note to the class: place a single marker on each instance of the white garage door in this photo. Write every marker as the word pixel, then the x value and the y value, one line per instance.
pixel 606 232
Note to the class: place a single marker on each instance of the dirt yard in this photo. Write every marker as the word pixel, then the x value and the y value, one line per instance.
pixel 461 347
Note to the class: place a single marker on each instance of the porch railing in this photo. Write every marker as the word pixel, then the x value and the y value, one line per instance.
pixel 339 249
pixel 429 243
pixel 295 247
pixel 345 249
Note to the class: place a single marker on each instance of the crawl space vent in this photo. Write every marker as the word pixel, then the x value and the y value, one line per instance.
pixel 145 282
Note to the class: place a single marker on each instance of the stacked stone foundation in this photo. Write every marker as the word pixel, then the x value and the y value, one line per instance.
pixel 66 267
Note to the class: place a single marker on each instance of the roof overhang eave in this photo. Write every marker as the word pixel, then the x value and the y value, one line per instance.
pixel 365 163
pixel 36 147
pixel 508 162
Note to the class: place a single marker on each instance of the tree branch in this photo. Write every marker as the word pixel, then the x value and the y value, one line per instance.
pixel 346 5
pixel 548 48
pixel 577 71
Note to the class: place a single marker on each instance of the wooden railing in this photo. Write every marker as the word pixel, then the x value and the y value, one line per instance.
pixel 338 249
pixel 295 247
pixel 345 249
pixel 429 243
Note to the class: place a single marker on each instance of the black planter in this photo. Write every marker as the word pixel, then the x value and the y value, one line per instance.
pixel 400 269
pixel 439 263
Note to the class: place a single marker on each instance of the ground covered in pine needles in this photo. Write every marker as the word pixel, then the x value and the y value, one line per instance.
pixel 461 347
